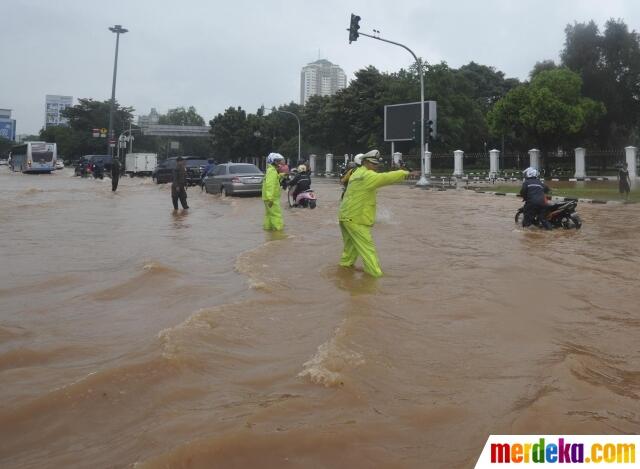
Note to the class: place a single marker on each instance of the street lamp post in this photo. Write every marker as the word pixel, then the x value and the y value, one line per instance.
pixel 297 119
pixel 118 30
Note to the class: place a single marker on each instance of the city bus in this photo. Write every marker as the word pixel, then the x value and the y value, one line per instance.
pixel 34 157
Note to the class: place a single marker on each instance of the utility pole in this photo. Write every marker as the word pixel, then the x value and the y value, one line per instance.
pixel 118 30
pixel 353 36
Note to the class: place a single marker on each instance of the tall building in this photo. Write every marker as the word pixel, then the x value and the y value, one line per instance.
pixel 54 105
pixel 321 78
pixel 7 125
pixel 151 119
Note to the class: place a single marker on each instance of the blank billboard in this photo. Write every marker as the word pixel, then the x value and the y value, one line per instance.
pixel 399 119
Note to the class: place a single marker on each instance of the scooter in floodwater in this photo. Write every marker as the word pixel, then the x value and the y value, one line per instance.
pixel 559 215
pixel 305 199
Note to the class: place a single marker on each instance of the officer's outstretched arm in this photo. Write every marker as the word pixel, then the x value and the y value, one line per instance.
pixel 375 180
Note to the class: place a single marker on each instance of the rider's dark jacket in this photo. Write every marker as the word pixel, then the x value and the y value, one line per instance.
pixel 302 181
pixel 533 191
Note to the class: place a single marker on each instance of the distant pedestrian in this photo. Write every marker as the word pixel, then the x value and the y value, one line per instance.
pixel 624 181
pixel 271 194
pixel 179 185
pixel 115 174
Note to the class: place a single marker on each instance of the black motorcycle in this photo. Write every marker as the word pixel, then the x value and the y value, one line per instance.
pixel 559 215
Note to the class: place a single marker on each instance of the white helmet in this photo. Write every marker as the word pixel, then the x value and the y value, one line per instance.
pixel 273 157
pixel 530 172
pixel 358 159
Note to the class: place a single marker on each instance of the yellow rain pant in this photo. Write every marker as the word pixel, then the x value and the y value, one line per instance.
pixel 359 243
pixel 272 217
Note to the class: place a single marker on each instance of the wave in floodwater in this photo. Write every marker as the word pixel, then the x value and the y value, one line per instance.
pixel 330 363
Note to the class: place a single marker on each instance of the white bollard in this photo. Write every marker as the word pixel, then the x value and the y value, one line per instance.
pixel 631 154
pixel 328 168
pixel 427 164
pixel 534 158
pixel 346 160
pixel 397 158
pixel 457 163
pixel 494 163
pixel 312 164
pixel 580 166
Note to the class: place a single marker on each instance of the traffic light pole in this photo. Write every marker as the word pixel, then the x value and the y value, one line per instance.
pixel 423 179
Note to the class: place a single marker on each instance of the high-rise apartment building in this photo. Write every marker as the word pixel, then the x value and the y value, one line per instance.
pixel 321 78
pixel 54 105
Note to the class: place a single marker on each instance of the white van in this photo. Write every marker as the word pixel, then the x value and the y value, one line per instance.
pixel 140 164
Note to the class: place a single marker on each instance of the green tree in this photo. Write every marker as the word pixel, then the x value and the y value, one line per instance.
pixel 542 67
pixel 230 134
pixel 548 112
pixel 83 117
pixel 609 65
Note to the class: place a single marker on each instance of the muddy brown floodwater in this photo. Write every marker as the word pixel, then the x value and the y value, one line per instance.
pixel 130 335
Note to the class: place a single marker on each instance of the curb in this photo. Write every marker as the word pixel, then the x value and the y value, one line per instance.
pixel 557 199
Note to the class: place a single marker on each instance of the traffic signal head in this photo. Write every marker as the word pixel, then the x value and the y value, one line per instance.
pixel 353 28
pixel 429 129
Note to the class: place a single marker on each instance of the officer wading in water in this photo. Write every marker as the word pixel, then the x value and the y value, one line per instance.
pixel 358 212
pixel 271 194
pixel 179 185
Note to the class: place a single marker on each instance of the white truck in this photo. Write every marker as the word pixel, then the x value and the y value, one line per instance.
pixel 140 164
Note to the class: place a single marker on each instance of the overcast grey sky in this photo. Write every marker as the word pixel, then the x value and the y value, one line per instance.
pixel 214 54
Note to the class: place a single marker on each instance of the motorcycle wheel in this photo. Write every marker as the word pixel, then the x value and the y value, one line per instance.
pixel 577 221
pixel 312 204
pixel 291 204
pixel 518 217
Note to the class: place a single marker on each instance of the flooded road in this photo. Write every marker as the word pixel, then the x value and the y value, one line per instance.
pixel 130 335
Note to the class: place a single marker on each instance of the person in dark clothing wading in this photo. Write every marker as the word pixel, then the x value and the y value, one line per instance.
pixel 533 192
pixel 115 174
pixel 179 185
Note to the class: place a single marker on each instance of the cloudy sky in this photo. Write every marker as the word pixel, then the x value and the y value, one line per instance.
pixel 213 54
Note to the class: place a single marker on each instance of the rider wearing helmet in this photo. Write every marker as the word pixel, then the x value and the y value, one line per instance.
pixel 533 192
pixel 301 181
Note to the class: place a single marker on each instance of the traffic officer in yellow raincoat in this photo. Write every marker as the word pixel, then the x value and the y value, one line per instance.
pixel 358 212
pixel 271 194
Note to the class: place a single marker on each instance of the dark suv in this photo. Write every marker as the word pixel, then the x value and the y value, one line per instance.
pixel 85 164
pixel 194 166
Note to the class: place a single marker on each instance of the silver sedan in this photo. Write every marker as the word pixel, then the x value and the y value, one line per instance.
pixel 234 178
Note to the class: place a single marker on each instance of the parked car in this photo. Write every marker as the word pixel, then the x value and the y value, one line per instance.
pixel 234 178
pixel 194 166
pixel 59 164
pixel 86 163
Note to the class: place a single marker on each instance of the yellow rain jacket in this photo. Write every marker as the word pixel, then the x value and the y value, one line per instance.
pixel 359 203
pixel 358 214
pixel 271 195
